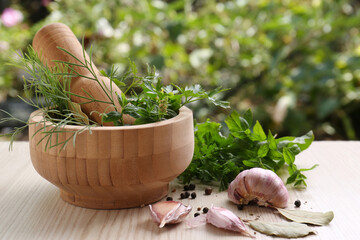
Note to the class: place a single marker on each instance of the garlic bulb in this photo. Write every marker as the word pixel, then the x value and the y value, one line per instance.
pixel 260 185
pixel 169 212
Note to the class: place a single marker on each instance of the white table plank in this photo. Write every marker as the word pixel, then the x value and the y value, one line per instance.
pixel 30 207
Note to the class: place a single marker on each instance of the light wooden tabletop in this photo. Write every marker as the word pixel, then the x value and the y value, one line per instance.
pixel 30 207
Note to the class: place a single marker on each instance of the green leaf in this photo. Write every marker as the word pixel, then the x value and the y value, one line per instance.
pixel 295 149
pixel 292 177
pixel 258 131
pixel 288 156
pixel 122 99
pixel 111 116
pixel 132 110
pixel 244 123
pixel 248 116
pixel 217 102
pixel 282 229
pixel 302 142
pixel 271 141
pixel 274 154
pixel 300 182
pixel 117 82
pixel 251 163
pixel 263 150
pixel 301 216
pixel 103 73
pixel 216 91
pixel 233 122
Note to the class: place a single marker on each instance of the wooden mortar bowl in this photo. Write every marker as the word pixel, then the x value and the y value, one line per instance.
pixel 115 167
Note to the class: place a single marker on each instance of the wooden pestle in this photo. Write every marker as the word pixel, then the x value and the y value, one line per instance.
pixel 45 43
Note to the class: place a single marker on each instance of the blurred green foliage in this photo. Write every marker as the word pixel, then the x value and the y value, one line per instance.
pixel 295 63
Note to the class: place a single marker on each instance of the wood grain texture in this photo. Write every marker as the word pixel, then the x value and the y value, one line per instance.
pixel 30 207
pixel 114 167
pixel 45 43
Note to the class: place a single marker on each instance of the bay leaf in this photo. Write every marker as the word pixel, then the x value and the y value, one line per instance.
pixel 282 229
pixel 301 216
pixel 79 115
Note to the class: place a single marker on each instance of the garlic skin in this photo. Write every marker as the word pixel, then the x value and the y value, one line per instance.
pixel 220 218
pixel 169 212
pixel 261 185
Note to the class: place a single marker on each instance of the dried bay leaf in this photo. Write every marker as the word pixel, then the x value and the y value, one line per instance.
pixel 301 216
pixel 282 229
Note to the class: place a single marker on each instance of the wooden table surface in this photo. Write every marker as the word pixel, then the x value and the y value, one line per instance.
pixel 30 207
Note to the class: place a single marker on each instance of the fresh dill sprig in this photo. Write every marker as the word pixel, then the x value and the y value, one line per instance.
pixel 48 89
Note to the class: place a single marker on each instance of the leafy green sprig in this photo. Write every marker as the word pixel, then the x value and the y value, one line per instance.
pixel 157 102
pixel 220 158
pixel 48 89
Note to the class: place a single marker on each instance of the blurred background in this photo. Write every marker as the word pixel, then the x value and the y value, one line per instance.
pixel 295 63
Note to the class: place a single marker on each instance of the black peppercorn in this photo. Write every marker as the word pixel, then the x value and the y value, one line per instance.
pixel 297 203
pixel 205 210
pixel 208 191
pixel 186 187
pixel 191 186
pixel 196 214
pixel 187 194
pixel 169 199
pixel 182 195
pixel 193 195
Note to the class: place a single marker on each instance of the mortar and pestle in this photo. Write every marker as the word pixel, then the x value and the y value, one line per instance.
pixel 110 167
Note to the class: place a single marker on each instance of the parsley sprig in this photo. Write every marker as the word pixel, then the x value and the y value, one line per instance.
pixel 156 102
pixel 220 157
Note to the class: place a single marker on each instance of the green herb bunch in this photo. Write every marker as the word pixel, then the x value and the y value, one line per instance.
pixel 156 102
pixel 48 89
pixel 220 158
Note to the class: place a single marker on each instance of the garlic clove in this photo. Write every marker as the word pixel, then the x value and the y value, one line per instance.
pixel 169 212
pixel 261 185
pixel 224 218
pixel 196 221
